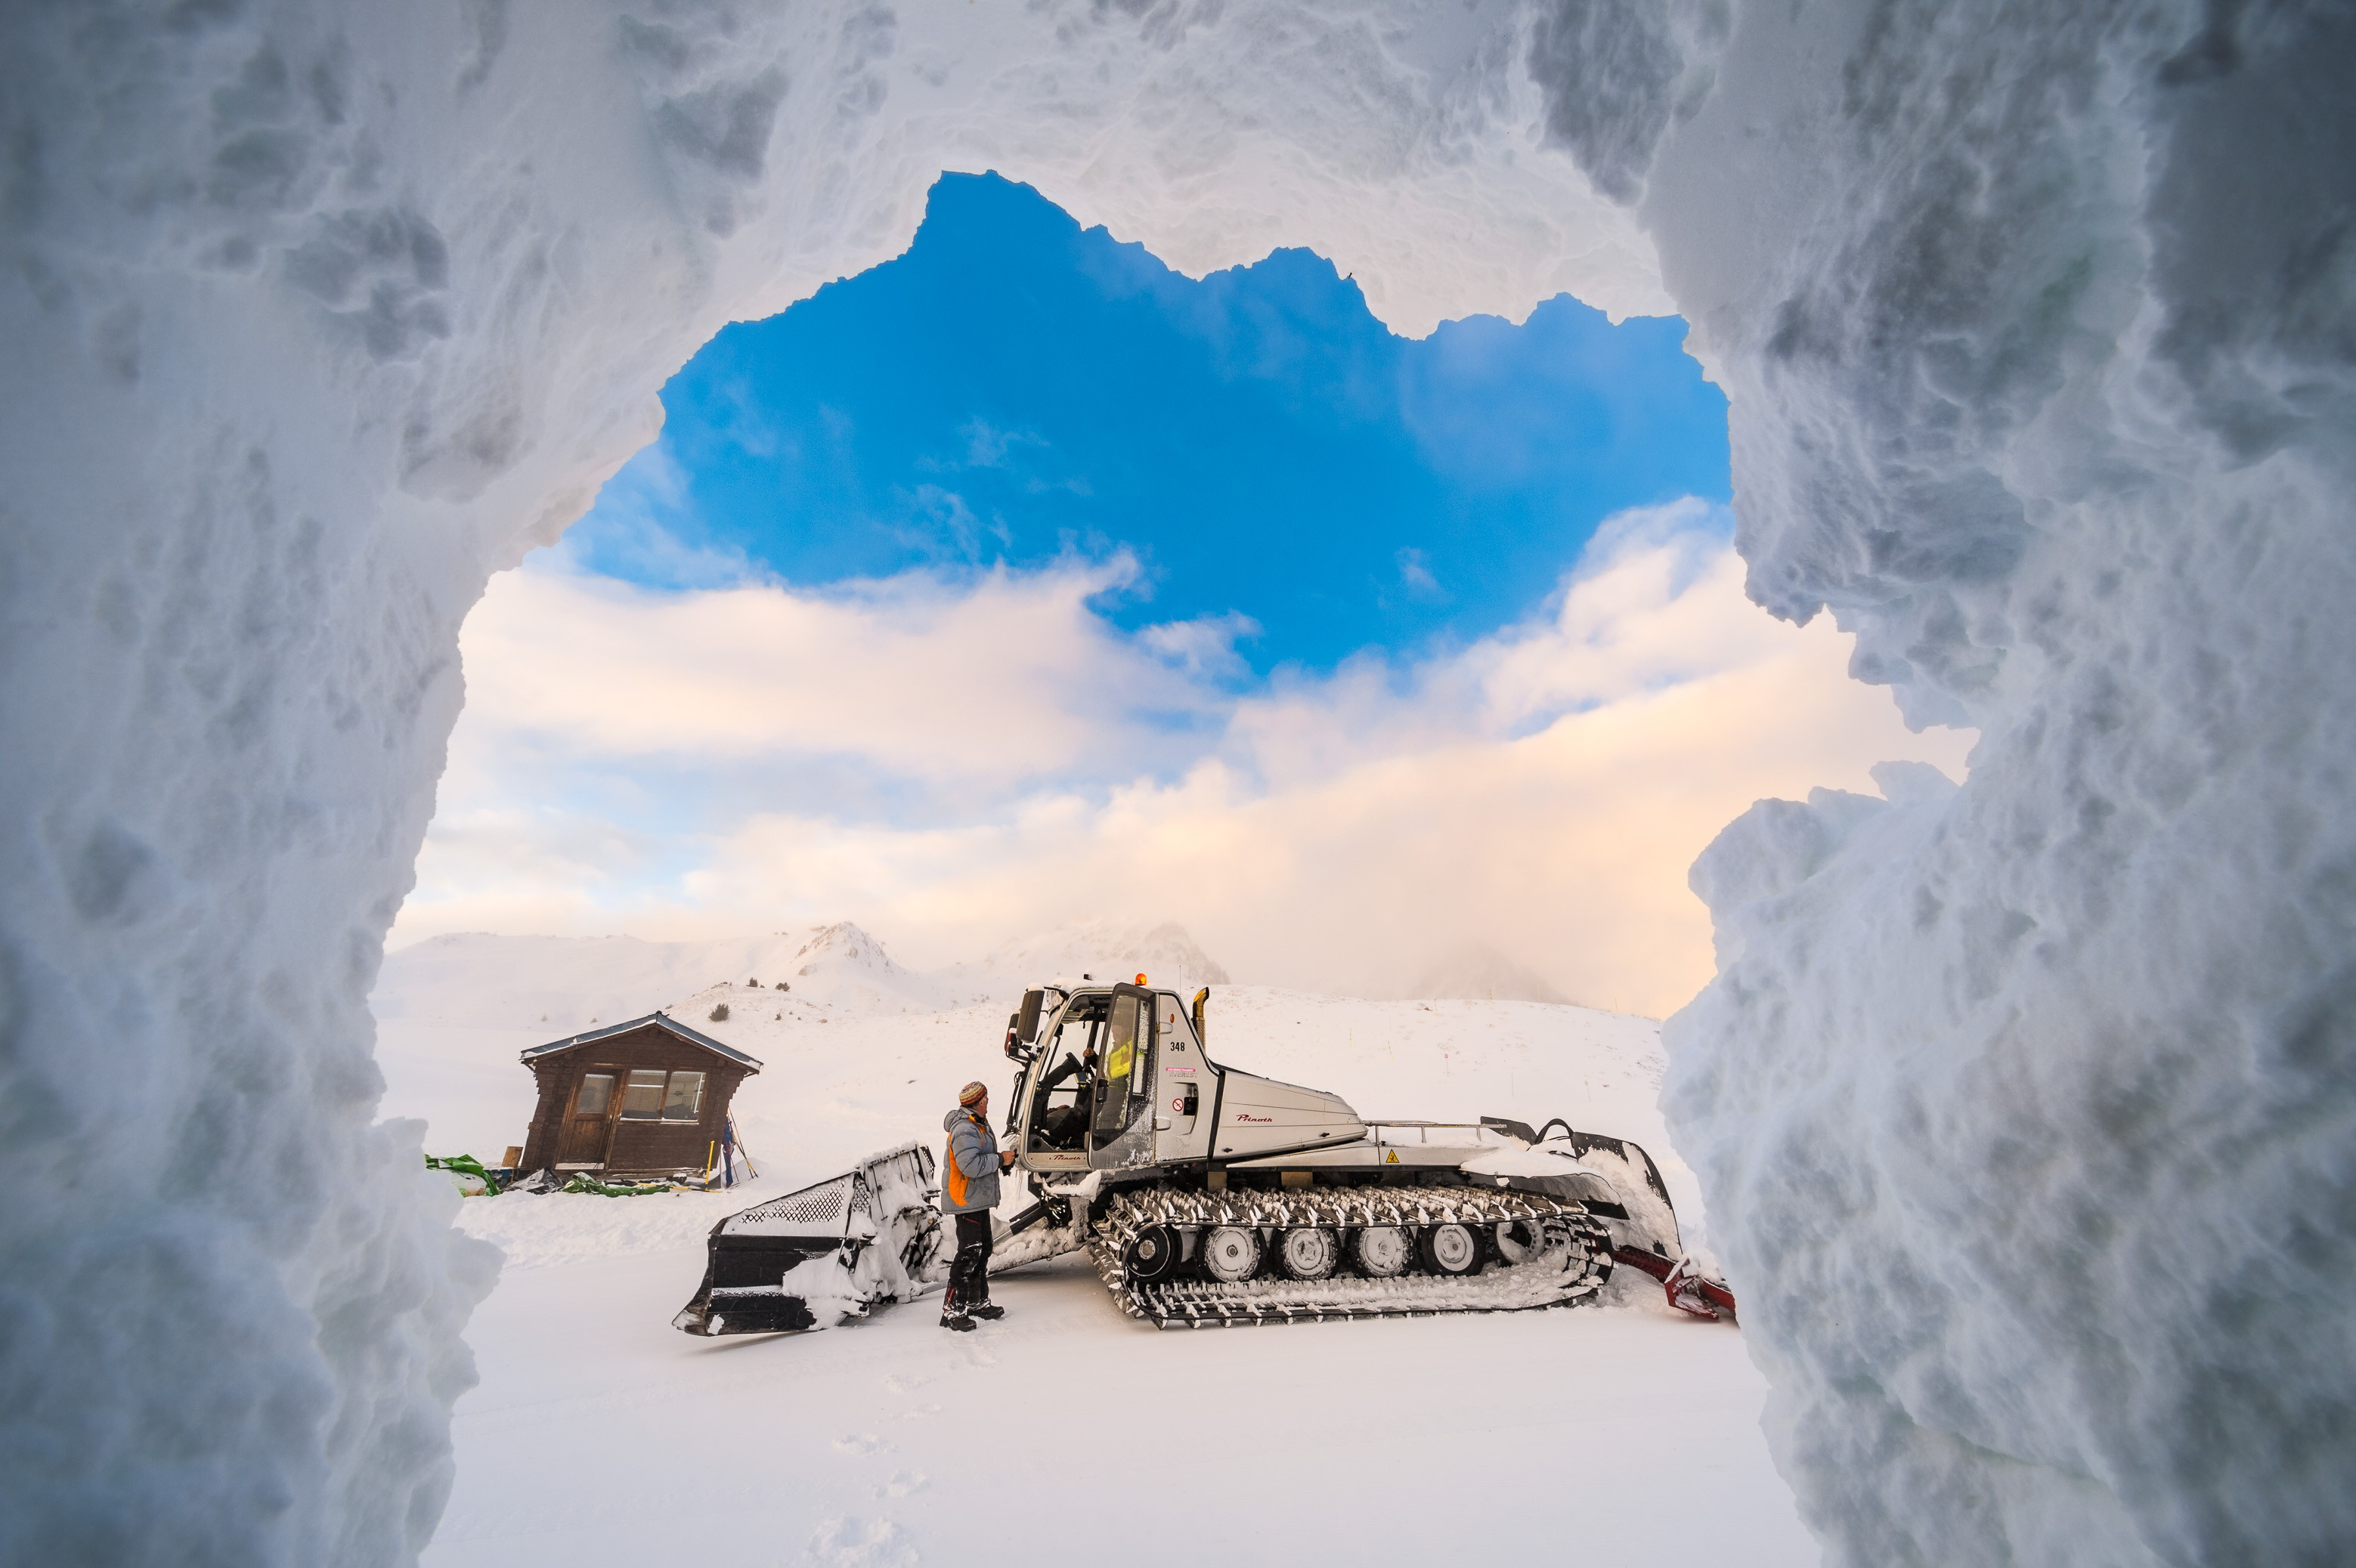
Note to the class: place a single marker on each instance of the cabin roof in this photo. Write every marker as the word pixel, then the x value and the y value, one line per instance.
pixel 661 1020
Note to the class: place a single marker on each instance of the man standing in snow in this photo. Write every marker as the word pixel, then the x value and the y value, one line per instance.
pixel 969 1192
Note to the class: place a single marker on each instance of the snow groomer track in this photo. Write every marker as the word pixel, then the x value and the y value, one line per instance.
pixel 1562 1258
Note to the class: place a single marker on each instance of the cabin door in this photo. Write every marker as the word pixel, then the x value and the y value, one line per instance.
pixel 1121 1129
pixel 589 1126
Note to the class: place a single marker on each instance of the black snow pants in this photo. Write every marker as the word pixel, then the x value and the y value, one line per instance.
pixel 969 1275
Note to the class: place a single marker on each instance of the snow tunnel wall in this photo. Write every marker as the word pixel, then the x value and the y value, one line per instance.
pixel 2036 326
pixel 2027 1112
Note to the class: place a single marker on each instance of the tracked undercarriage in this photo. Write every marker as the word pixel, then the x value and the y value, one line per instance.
pixel 1201 1260
pixel 1208 1197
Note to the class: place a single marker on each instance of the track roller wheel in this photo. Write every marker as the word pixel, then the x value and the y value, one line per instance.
pixel 1231 1253
pixel 1519 1241
pixel 1450 1250
pixel 1380 1252
pixel 1152 1253
pixel 1309 1252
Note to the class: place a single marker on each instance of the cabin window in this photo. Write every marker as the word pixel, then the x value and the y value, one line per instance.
pixel 642 1101
pixel 1129 1040
pixel 684 1099
pixel 653 1095
pixel 596 1093
pixel 1060 1110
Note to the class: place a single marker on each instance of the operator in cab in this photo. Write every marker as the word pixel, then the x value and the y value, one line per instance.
pixel 969 1192
pixel 1062 1128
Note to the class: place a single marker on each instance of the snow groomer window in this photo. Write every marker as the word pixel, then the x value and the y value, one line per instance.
pixel 1063 1111
pixel 1120 1055
pixel 642 1101
pixel 684 1098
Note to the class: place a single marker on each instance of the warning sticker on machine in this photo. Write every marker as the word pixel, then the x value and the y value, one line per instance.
pixel 1391 1158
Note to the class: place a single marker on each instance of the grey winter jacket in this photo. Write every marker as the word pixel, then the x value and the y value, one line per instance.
pixel 973 1151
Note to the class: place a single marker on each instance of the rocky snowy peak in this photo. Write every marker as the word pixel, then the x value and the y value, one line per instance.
pixel 835 969
pixel 839 946
pixel 1108 949
pixel 1476 971
pixel 843 956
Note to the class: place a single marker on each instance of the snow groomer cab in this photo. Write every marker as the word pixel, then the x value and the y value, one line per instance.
pixel 1114 1078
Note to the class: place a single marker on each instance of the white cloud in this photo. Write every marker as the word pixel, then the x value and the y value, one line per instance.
pixel 981 683
pixel 1541 792
pixel 1014 452
pixel 633 530
pixel 1204 648
pixel 1415 576
pixel 986 445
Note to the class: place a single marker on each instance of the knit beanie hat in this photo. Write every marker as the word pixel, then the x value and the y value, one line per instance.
pixel 973 1092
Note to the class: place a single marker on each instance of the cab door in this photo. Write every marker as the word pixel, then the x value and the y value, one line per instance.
pixel 1057 1094
pixel 1121 1131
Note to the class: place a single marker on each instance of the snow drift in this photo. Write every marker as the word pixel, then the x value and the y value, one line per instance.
pixel 2025 1109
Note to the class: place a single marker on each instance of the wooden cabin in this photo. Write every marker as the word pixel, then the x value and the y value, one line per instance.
pixel 644 1098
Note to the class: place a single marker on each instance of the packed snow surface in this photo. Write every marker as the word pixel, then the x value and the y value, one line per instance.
pixel 890 1441
pixel 2024 1108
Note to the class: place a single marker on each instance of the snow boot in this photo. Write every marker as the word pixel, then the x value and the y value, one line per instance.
pixel 986 1309
pixel 958 1321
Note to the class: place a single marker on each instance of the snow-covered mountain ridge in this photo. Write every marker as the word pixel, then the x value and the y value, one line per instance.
pixel 565 984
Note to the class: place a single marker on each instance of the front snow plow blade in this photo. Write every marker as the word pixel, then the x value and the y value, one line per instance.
pixel 830 1251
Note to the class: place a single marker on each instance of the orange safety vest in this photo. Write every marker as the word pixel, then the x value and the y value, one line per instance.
pixel 957 1178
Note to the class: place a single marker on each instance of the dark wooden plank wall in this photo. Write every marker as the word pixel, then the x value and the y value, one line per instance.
pixel 655 1148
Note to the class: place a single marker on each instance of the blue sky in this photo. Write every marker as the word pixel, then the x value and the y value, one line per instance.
pixel 1015 389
